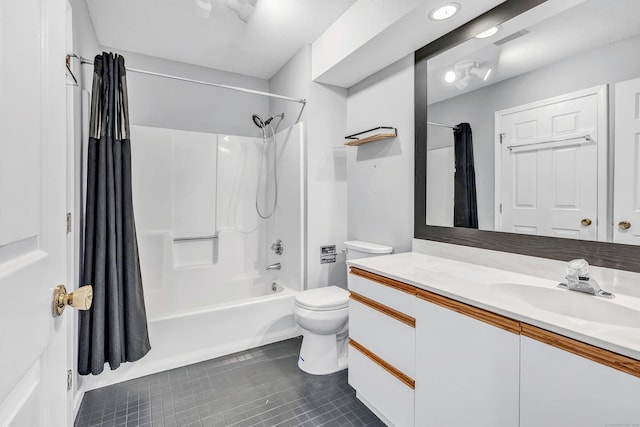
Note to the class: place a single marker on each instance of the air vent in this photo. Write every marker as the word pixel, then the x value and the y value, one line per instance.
pixel 511 37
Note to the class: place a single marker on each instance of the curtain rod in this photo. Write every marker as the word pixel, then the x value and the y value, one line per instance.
pixel 442 125
pixel 200 82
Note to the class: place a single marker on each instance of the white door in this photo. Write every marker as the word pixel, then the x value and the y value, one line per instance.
pixel 626 194
pixel 32 212
pixel 549 169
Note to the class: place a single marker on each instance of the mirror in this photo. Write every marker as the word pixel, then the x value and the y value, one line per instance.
pixel 552 99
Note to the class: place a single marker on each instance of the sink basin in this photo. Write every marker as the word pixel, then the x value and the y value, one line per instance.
pixel 570 303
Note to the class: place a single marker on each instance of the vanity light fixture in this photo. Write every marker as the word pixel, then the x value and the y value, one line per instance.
pixel 464 71
pixel 450 76
pixel 481 73
pixel 444 11
pixel 488 33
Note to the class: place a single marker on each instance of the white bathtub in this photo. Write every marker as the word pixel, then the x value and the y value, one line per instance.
pixel 238 315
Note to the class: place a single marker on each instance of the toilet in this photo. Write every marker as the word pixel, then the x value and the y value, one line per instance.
pixel 323 315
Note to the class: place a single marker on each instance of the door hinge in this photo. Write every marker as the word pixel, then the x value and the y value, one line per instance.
pixel 500 207
pixel 68 222
pixel 69 379
pixel 502 135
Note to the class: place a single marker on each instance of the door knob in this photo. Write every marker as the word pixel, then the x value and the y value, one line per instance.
pixel 586 222
pixel 81 299
pixel 624 225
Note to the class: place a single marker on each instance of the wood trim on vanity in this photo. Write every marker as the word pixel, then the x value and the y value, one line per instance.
pixel 599 355
pixel 485 316
pixel 395 284
pixel 395 314
pixel 588 351
pixel 408 381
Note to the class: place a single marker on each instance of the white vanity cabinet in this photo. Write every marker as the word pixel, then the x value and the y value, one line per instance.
pixel 420 358
pixel 467 369
pixel 558 389
pixel 382 346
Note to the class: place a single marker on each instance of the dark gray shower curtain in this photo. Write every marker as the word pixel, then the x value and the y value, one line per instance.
pixel 114 330
pixel 465 210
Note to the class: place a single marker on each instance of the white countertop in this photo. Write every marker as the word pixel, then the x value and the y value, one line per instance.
pixel 475 285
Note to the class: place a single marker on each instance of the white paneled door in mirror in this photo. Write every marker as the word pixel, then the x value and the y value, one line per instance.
pixel 550 167
pixel 33 389
pixel 626 198
pixel 558 48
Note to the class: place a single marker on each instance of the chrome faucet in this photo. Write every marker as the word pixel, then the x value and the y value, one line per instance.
pixel 275 266
pixel 578 279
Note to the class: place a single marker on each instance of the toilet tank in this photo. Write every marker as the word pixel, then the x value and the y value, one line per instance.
pixel 357 249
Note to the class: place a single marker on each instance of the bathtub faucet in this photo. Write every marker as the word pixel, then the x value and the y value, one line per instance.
pixel 275 266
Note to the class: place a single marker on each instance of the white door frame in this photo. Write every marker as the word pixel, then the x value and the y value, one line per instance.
pixel 602 140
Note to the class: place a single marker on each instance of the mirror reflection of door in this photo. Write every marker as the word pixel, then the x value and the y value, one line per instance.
pixel 559 48
pixel 549 180
pixel 626 197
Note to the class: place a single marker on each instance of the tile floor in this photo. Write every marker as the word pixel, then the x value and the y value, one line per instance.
pixel 259 387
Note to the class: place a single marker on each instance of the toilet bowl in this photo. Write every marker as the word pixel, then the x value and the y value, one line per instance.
pixel 323 315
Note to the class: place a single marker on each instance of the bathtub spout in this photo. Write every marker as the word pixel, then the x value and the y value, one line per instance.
pixel 275 266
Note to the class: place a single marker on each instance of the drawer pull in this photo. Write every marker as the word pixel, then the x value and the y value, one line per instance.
pixel 408 381
pixel 383 280
pixel 395 314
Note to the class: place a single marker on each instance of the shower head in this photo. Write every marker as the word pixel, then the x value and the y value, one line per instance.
pixel 258 121
pixel 262 123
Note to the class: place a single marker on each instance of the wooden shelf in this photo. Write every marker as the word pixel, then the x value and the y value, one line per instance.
pixel 371 135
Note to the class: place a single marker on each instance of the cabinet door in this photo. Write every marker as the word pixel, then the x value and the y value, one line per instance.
pixel 560 389
pixel 466 371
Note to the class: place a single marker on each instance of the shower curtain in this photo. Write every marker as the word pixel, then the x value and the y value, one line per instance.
pixel 465 210
pixel 114 330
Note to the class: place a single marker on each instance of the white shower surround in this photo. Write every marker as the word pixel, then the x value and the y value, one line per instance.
pixel 214 298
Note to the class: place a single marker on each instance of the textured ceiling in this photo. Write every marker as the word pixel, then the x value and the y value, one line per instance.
pixel 172 29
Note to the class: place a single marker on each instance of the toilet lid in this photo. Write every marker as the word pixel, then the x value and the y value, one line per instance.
pixel 327 298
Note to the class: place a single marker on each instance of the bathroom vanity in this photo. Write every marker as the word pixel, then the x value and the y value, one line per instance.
pixel 439 342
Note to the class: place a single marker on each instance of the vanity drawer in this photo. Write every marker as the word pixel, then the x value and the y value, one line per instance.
pixel 388 396
pixel 392 293
pixel 386 332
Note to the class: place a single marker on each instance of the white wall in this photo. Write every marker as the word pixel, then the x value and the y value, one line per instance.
pixel 380 185
pixel 161 102
pixel 326 180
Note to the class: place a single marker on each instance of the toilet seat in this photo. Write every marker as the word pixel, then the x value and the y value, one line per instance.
pixel 323 299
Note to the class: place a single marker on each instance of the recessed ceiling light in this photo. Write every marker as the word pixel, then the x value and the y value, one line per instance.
pixel 444 11
pixel 488 33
